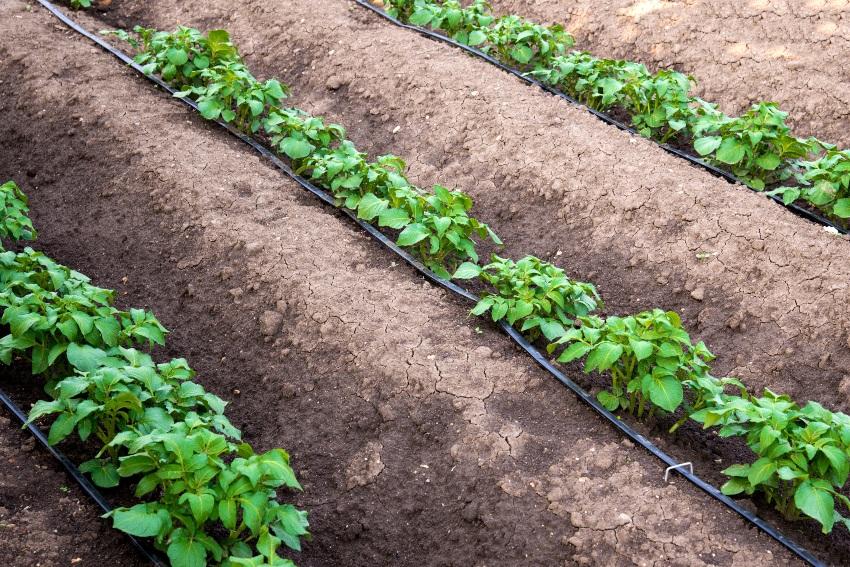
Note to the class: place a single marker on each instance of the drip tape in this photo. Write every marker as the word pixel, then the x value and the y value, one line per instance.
pixel 716 171
pixel 515 335
pixel 88 488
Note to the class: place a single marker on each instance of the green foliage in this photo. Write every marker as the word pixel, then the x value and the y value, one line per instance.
pixel 802 454
pixel 755 145
pixel 78 4
pixel 465 25
pixel 48 307
pixel 534 295
pixel 298 135
pixel 649 356
pixel 14 209
pixel 823 183
pixel 207 497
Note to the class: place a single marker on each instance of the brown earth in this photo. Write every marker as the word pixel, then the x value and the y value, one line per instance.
pixel 45 519
pixel 419 438
pixel 786 51
pixel 767 291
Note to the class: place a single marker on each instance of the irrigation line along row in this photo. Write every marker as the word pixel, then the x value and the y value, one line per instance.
pixel 538 357
pixel 716 171
pixel 87 487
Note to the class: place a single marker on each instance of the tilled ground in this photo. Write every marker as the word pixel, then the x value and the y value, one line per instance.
pixel 786 51
pixel 767 291
pixel 419 438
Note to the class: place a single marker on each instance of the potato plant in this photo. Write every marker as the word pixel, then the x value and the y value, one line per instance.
pixel 823 183
pixel 532 294
pixel 649 357
pixel 206 496
pixel 803 458
pixel 48 307
pixel 756 144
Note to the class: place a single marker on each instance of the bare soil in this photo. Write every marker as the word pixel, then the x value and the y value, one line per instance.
pixel 786 51
pixel 419 437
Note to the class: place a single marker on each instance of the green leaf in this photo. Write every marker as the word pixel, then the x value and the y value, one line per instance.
pixel 477 37
pixel 102 471
pixel 768 161
pixel 838 460
pixel 761 471
pixel 522 54
pixel 137 521
pixel 705 146
pixel 735 486
pixel 731 151
pixel 608 400
pixel 467 271
pixel 186 552
pixel 370 206
pixel 642 349
pixel 394 218
pixel 575 350
pixel 84 357
pixel 813 498
pixel 603 357
pixel 666 393
pixel 295 148
pixel 842 208
pixel 210 108
pixel 177 56
pixel 420 17
pixel 412 234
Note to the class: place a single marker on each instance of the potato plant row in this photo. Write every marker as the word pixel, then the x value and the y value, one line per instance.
pixel 207 497
pixel 757 147
pixel 651 361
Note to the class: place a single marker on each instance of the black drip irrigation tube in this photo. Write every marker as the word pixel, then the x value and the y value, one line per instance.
pixel 538 357
pixel 716 171
pixel 87 487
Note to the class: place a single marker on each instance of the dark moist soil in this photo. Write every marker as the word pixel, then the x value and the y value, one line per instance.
pixel 220 338
pixel 45 518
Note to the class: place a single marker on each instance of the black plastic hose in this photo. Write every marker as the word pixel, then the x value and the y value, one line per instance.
pixel 538 357
pixel 87 487
pixel 716 171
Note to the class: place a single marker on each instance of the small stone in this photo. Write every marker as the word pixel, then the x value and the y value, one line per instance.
pixel 698 294
pixel 824 359
pixel 333 83
pixel 270 322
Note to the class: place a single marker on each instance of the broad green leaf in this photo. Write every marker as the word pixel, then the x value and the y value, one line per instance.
pixel 666 393
pixel 371 206
pixel 842 208
pixel 102 471
pixel 731 151
pixel 603 356
pixel 608 400
pixel 814 499
pixel 186 552
pixel 295 148
pixel 522 54
pixel 177 56
pixel 137 521
pixel 769 161
pixel 705 146
pixel 394 218
pixel 84 357
pixel 412 234
pixel 467 271
pixel 642 349
pixel 761 471
pixel 575 351
pixel 477 37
